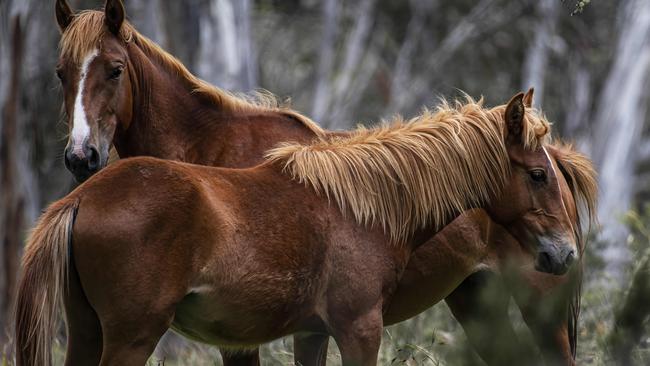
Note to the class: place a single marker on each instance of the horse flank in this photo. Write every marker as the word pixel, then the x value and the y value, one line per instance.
pixel 410 174
pixel 87 29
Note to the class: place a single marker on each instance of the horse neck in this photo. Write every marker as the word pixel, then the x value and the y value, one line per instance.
pixel 168 119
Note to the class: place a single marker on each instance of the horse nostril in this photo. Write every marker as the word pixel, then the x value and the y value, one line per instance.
pixel 570 257
pixel 544 261
pixel 93 159
pixel 66 160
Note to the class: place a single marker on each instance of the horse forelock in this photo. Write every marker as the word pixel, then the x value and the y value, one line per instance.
pixel 85 34
pixel 406 175
pixel 582 177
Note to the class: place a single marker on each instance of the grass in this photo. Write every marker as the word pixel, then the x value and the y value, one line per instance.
pixel 432 338
pixel 435 338
pixel 424 340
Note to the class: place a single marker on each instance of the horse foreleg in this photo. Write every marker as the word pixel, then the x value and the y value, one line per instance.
pixel 241 358
pixel 544 302
pixel 359 338
pixel 310 349
pixel 631 316
pixel 480 304
pixel 553 339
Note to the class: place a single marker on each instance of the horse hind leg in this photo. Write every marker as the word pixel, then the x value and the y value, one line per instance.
pixel 132 341
pixel 310 349
pixel 131 330
pixel 240 358
pixel 84 329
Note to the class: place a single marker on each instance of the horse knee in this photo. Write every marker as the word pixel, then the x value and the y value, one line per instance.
pixel 359 339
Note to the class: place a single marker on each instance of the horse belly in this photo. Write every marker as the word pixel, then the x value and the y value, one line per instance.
pixel 250 304
pixel 210 319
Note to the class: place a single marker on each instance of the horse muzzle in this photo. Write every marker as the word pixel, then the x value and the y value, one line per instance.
pixel 83 162
pixel 553 258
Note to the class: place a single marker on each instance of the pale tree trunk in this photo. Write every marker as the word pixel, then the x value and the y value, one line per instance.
pixel 146 16
pixel 577 114
pixel 537 56
pixel 466 29
pixel 326 59
pixel 402 69
pixel 29 176
pixel 13 197
pixel 619 123
pixel 355 49
pixel 245 45
pixel 180 29
pixel 226 56
pixel 463 31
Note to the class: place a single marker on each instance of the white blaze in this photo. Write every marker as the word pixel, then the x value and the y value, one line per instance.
pixel 80 127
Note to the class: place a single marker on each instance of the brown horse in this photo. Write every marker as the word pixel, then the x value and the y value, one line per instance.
pixel 240 257
pixel 186 119
pixel 461 261
pixel 121 88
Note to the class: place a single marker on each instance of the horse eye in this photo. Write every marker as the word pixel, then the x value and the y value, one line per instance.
pixel 115 73
pixel 59 74
pixel 538 175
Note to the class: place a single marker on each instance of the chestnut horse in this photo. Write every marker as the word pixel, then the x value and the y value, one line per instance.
pixel 313 240
pixel 473 250
pixel 144 101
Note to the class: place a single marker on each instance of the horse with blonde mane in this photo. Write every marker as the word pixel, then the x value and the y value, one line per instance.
pixel 146 102
pixel 313 240
pixel 467 263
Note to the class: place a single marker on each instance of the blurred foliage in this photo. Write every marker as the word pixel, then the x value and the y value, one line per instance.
pixel 639 225
pixel 579 6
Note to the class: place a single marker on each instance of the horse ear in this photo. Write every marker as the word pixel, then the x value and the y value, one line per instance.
pixel 528 98
pixel 114 14
pixel 64 14
pixel 514 116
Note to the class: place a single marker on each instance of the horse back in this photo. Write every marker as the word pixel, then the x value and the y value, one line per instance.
pixel 241 141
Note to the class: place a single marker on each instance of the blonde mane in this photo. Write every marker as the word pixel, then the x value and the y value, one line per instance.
pixel 581 176
pixel 87 29
pixel 409 174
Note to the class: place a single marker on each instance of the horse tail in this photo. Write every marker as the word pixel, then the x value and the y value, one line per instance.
pixel 45 268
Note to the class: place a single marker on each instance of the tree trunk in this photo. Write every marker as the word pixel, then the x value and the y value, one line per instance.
pixel 355 50
pixel 618 126
pixel 326 59
pixel 226 56
pixel 13 197
pixel 403 64
pixel 537 56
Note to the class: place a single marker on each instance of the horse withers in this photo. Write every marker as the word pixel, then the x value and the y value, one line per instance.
pixel 237 258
